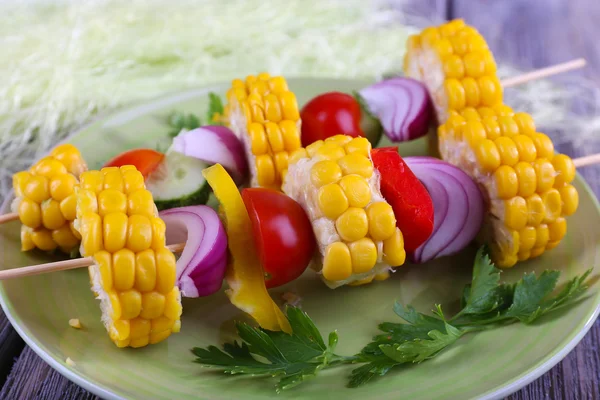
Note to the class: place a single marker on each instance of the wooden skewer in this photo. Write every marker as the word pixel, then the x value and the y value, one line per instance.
pixel 543 72
pixel 8 217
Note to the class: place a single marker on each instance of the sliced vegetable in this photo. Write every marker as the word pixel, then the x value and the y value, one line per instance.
pixel 201 266
pixel 458 207
pixel 283 234
pixel 145 160
pixel 214 144
pixel 402 105
pixel 408 197
pixel 244 274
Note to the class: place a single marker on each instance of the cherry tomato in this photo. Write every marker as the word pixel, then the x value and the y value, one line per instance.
pixel 145 160
pixel 330 114
pixel 283 234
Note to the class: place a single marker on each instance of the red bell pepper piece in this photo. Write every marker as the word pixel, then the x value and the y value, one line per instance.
pixel 406 194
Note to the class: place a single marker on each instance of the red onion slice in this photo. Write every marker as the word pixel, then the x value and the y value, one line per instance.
pixel 457 203
pixel 403 106
pixel 214 144
pixel 201 266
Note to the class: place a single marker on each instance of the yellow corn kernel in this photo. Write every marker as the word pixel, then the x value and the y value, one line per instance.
pixel 359 145
pixel 140 202
pixel 122 343
pixel 454 67
pixel 430 35
pixel 503 110
pixel 139 342
pixel 297 155
pixel 281 162
pixel 382 276
pixel 523 255
pixel 125 168
pixel 471 91
pixel 455 93
pixel 565 169
pixel 68 207
pixel 544 171
pixel 20 180
pixel 490 90
pixel 75 323
pixel 339 140
pixel 393 249
pixel 104 261
pixel 123 262
pixel 113 179
pixel 552 245
pixel 508 150
pixel 265 170
pixel 542 235
pixel 26 240
pixel 132 181
pixel 161 324
pixel 492 129
pixel 115 305
pixel 525 123
pixel 356 163
pixel 553 205
pixel 258 87
pixel 353 224
pixel 474 64
pixel 325 172
pixel 291 135
pixel 382 222
pixel 37 189
pixel 176 326
pixel 139 327
pixel 62 186
pixel 363 254
pixel 506 182
pixel 486 112
pixel 87 202
pixel 115 231
pixel 131 304
pixel 312 148
pixel 278 85
pixel 120 331
pixel 515 213
pixel 30 213
pixel 145 271
pixel 255 101
pixel 490 63
pixel 70 157
pixel 237 84
pixel 537 251
pixel 139 233
pixel 274 136
pixel 92 181
pixel 42 238
pixel 165 271
pixel 111 201
pixel 364 281
pixel 543 146
pixel 74 231
pixel 357 190
pixel 535 209
pixel 272 108
pixel 158 233
pixel 64 238
pixel 459 44
pixel 570 199
pixel 159 337
pixel 527 238
pixel 337 262
pixel 90 228
pixel 258 139
pixel 173 305
pixel 526 148
pixel 246 110
pixel 508 126
pixel 527 178
pixel 289 106
pixel 487 155
pixel 473 132
pixel 454 125
pixel 330 151
pixel 153 305
pixel 49 168
pixel 470 114
pixel 332 201
pixel 557 229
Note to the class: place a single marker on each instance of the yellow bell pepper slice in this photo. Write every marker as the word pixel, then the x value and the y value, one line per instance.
pixel 245 275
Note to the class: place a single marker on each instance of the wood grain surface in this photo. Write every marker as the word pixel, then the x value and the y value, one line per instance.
pixel 526 33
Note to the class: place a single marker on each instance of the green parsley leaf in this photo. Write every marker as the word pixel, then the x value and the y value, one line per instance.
pixel 215 106
pixel 482 296
pixel 365 373
pixel 530 291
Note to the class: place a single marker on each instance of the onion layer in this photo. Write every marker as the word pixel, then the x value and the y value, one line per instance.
pixel 201 266
pixel 457 203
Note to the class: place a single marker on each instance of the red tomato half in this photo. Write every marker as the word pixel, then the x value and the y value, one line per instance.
pixel 282 233
pixel 145 160
pixel 330 114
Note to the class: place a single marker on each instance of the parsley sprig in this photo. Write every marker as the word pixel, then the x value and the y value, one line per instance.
pixel 179 121
pixel 486 304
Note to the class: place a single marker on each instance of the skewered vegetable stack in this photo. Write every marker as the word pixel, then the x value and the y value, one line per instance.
pixel 527 186
pixel 45 200
pixel 134 273
pixel 355 227
pixel 264 113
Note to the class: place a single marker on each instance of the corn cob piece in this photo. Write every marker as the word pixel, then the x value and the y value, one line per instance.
pixel 45 200
pixel 336 184
pixel 264 113
pixel 134 273
pixel 528 186
pixel 454 62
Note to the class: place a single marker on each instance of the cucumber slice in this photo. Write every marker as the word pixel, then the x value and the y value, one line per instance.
pixel 178 182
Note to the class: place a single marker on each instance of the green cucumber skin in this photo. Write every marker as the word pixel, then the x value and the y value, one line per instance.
pixel 199 197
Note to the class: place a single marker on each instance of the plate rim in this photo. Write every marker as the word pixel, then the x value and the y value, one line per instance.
pixel 75 376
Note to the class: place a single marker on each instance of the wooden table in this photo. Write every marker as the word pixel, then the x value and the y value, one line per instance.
pixel 527 33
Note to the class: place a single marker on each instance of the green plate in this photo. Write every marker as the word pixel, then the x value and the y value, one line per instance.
pixel 486 365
